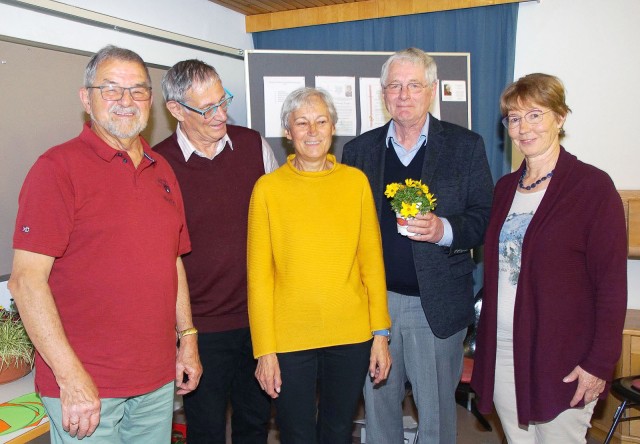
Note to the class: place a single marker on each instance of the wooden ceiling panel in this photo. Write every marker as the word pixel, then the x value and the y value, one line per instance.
pixel 267 6
pixel 244 7
pixel 267 15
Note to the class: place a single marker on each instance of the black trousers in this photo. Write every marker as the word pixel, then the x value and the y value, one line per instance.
pixel 228 375
pixel 320 392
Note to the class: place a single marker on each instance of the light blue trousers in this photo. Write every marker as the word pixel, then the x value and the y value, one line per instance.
pixel 433 367
pixel 141 419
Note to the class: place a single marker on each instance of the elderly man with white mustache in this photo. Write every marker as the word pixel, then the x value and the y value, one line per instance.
pixel 97 272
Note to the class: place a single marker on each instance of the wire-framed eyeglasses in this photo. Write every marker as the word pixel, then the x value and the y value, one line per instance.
pixel 209 112
pixel 532 117
pixel 115 93
pixel 413 87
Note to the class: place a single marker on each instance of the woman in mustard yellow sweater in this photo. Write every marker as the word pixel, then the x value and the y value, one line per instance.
pixel 317 289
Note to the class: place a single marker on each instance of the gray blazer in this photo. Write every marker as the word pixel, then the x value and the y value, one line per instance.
pixel 457 173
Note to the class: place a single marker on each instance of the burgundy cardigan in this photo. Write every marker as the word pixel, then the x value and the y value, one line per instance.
pixel 572 290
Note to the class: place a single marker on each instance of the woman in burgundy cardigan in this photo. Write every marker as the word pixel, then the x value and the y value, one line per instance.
pixel 555 294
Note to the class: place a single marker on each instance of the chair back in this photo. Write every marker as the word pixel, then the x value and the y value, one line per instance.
pixel 470 339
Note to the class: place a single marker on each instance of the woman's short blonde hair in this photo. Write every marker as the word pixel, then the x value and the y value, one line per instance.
pixel 542 89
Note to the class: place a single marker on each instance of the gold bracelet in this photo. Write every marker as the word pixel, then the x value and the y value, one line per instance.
pixel 187 332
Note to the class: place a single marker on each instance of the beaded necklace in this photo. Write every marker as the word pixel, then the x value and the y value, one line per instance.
pixel 536 183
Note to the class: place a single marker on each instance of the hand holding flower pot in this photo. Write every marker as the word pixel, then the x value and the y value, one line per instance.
pixel 408 200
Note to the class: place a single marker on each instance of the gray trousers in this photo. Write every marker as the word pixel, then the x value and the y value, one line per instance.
pixel 433 367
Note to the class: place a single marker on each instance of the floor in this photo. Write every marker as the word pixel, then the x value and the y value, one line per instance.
pixel 469 430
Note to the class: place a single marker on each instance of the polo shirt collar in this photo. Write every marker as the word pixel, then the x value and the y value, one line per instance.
pixel 188 148
pixel 102 148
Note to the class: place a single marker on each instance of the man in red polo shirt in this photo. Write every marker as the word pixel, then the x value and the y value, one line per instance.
pixel 97 272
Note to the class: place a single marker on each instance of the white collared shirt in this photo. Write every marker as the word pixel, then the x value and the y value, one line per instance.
pixel 268 158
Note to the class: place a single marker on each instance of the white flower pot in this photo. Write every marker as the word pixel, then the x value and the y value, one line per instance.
pixel 402 224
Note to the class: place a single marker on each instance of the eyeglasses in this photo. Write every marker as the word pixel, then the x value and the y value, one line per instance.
pixel 532 117
pixel 208 113
pixel 114 93
pixel 413 87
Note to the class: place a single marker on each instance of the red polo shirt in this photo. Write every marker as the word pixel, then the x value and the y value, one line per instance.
pixel 115 231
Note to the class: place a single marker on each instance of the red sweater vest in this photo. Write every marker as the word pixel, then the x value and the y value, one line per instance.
pixel 216 196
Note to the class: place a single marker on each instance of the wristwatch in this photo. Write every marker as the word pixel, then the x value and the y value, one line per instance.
pixel 386 332
pixel 187 332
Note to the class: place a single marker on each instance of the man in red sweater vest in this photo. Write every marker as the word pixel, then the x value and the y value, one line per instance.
pixel 217 165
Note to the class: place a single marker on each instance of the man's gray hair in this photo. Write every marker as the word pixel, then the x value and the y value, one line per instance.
pixel 415 56
pixel 183 75
pixel 302 96
pixel 111 52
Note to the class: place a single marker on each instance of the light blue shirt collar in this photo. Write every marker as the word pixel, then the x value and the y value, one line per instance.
pixel 407 156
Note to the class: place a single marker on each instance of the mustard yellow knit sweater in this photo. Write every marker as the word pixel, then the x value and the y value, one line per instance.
pixel 315 267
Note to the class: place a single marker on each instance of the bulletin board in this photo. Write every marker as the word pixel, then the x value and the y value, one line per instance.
pixel 41 108
pixel 454 67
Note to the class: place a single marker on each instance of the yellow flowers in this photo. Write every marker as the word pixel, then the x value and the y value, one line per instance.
pixel 392 189
pixel 410 198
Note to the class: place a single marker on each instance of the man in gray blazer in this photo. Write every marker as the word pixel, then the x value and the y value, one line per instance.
pixel 429 275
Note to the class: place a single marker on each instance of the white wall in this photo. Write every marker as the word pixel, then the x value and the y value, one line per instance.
pixel 200 19
pixel 593 47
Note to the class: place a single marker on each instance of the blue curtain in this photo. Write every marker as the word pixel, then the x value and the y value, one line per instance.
pixel 487 33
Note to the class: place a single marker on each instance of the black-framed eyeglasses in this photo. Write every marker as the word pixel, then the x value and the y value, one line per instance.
pixel 532 117
pixel 114 93
pixel 413 87
pixel 209 112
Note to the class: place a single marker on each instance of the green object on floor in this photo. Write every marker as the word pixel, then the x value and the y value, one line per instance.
pixel 23 411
